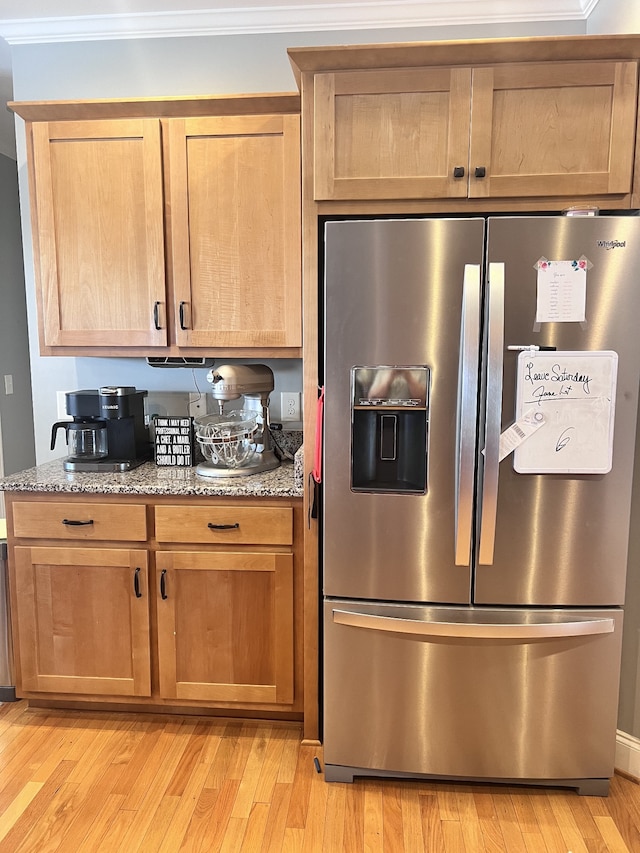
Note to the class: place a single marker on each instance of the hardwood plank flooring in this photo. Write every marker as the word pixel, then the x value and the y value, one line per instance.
pixel 101 782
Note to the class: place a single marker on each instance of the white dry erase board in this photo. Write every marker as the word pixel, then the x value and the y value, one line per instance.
pixel 576 393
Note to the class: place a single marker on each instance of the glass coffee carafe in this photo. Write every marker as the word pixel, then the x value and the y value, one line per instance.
pixel 86 438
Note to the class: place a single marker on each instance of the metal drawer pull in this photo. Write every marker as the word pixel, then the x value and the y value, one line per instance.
pixel 223 526
pixel 163 585
pixel 156 316
pixel 71 522
pixel 182 325
pixel 487 631
pixel 136 583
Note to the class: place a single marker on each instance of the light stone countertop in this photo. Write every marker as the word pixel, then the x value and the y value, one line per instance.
pixel 149 479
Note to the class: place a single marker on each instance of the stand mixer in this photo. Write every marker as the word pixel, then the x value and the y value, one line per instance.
pixel 238 443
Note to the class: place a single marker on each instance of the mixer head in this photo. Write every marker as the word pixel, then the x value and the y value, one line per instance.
pixel 231 381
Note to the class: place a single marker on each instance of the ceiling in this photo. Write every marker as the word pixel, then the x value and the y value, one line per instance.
pixel 39 21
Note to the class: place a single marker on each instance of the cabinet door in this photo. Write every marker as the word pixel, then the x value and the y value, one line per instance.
pixel 553 129
pixel 392 134
pixel 82 619
pixel 99 232
pixel 235 230
pixel 225 626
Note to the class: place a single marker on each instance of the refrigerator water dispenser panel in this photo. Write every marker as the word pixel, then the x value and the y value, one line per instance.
pixel 389 429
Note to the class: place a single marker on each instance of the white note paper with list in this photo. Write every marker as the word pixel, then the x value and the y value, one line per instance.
pixel 562 291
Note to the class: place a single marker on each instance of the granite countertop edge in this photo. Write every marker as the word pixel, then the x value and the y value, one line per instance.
pixel 149 479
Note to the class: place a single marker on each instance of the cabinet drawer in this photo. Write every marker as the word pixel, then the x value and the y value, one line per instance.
pixel 226 525
pixel 67 520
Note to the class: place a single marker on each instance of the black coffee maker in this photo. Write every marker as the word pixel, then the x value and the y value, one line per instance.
pixel 108 431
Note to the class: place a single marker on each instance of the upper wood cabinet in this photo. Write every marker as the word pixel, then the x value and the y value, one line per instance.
pixel 396 133
pixel 164 234
pixel 504 131
pixel 234 195
pixel 98 216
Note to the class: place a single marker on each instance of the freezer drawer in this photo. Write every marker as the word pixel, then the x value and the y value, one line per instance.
pixel 471 693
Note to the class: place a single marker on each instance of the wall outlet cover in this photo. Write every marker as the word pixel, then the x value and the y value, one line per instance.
pixel 290 406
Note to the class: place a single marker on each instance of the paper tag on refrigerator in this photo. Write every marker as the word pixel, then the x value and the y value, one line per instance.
pixel 562 291
pixel 519 432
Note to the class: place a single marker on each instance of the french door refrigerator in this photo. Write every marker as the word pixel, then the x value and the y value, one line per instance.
pixel 474 575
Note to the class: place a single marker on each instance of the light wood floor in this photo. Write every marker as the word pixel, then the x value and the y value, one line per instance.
pixel 75 781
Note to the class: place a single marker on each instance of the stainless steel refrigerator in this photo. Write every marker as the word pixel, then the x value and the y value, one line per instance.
pixel 473 602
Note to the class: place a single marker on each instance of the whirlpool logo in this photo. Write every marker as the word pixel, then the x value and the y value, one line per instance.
pixel 612 244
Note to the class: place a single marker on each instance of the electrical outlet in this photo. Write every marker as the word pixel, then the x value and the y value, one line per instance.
pixel 290 405
pixel 8 383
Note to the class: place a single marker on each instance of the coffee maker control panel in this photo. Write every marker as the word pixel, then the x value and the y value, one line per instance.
pixel 118 401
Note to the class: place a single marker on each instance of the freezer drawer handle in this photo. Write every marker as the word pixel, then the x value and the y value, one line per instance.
pixel 466 630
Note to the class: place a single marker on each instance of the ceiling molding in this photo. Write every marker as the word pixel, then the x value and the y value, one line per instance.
pixel 289 17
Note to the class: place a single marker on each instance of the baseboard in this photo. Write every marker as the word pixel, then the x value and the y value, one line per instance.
pixel 627 760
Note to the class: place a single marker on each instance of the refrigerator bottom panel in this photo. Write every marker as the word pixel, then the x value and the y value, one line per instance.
pixel 584 787
pixel 519 696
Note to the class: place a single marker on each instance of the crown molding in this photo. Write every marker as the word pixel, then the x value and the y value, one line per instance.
pixel 289 17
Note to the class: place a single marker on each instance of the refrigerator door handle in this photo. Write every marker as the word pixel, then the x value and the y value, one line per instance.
pixel 465 630
pixel 467 412
pixel 493 412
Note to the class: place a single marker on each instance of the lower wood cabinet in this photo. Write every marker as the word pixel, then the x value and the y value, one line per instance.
pixel 225 626
pixel 82 620
pixel 204 611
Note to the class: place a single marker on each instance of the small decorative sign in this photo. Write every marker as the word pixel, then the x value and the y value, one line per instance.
pixel 174 441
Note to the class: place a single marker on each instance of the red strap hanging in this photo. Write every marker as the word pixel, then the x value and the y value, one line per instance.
pixel 317 454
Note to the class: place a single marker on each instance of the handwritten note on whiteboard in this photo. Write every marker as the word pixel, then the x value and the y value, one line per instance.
pixel 576 392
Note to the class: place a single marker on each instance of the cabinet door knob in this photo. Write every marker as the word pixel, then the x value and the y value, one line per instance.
pixel 156 315
pixel 458 172
pixel 163 585
pixel 481 172
pixel 136 583
pixel 223 526
pixel 181 312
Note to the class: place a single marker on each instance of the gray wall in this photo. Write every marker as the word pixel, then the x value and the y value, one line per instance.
pixel 16 414
pixel 7 136
pixel 615 16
